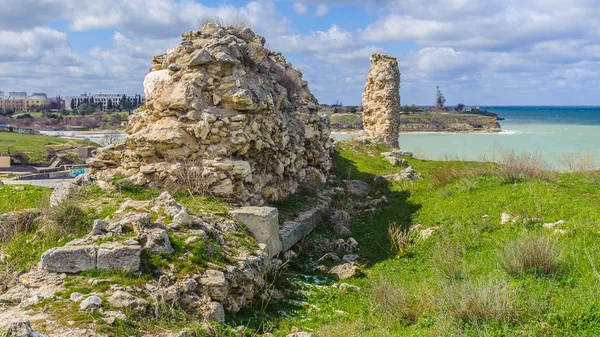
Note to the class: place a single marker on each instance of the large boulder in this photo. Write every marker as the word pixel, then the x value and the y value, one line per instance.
pixel 224 116
pixel 115 256
pixel 263 222
pixel 69 259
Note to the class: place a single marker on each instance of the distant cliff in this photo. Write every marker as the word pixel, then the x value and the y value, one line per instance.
pixel 448 123
pixel 426 122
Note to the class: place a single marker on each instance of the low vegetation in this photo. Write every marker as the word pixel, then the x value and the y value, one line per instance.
pixel 474 274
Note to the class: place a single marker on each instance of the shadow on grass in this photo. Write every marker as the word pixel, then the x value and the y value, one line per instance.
pixel 371 231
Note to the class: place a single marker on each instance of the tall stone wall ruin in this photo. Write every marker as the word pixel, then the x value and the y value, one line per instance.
pixel 225 115
pixel 381 101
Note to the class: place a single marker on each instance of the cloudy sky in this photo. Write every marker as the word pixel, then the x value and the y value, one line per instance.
pixel 487 52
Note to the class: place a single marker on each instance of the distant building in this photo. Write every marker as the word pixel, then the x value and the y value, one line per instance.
pixel 18 101
pixel 103 99
pixel 37 101
pixel 471 108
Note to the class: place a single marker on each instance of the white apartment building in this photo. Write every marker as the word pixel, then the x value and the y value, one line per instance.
pixel 97 98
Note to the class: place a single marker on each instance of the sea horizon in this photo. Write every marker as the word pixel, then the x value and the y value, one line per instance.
pixel 555 133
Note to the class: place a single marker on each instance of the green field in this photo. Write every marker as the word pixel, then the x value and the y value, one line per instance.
pixel 347 121
pixel 474 276
pixel 35 146
pixel 458 282
pixel 14 198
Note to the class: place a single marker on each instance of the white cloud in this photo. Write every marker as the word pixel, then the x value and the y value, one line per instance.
pixel 321 10
pixel 317 41
pixel 300 8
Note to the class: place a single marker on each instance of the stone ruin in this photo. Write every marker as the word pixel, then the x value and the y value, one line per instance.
pixel 381 101
pixel 223 116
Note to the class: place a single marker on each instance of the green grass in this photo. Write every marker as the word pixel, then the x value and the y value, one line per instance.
pixel 12 198
pixel 473 277
pixel 35 146
pixel 454 282
pixel 346 120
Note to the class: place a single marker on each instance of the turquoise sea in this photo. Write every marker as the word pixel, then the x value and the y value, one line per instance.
pixel 552 132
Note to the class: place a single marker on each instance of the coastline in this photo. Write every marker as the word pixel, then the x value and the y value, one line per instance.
pixel 357 131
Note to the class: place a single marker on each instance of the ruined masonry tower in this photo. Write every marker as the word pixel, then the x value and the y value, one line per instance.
pixel 381 101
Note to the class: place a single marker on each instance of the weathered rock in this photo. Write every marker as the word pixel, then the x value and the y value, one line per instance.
pixel 381 101
pixel 300 334
pixel 92 302
pixel 61 193
pixel 350 258
pixel 216 122
pixel 213 282
pixel 121 299
pixel 69 259
pixel 76 297
pixel 215 312
pixel 20 329
pixel 344 271
pixel 357 188
pixel 157 240
pixel 263 222
pixel 408 174
pixel 340 222
pixel 115 256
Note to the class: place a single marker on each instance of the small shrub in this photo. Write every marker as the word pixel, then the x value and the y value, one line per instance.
pixel 71 219
pixel 402 241
pixel 477 303
pixel 516 167
pixel 448 262
pixel 395 301
pixel 534 255
pixel 21 222
pixel 579 163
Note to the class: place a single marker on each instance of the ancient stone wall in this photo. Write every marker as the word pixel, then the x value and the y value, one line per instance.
pixel 227 116
pixel 381 101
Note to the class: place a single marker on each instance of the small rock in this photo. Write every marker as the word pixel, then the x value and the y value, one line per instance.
pixel 76 297
pixel 426 233
pixel 215 312
pixel 357 188
pixel 157 241
pixel 20 329
pixel 350 258
pixel 290 255
pixel 192 239
pixel 344 271
pixel 147 169
pixel 300 334
pixel 331 257
pixel 92 302
pixel 214 284
pixel 122 299
pixel 346 286
pixel 554 224
pixel 352 242
pixel 506 218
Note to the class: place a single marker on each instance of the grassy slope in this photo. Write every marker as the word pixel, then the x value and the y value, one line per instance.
pixel 565 304
pixel 559 305
pixel 13 199
pixel 35 145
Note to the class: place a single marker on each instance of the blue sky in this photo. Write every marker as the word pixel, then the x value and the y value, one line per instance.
pixel 494 52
